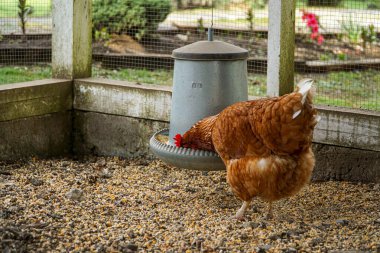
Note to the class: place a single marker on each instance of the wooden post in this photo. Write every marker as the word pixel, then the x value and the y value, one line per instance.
pixel 71 43
pixel 281 40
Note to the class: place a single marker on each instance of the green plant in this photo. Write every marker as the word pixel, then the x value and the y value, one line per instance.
pixel 24 11
pixel 341 56
pixel 101 35
pixel 368 35
pixel 259 4
pixel 137 18
pixel 351 31
pixel 200 25
pixel 356 33
pixel 325 57
pixel 250 18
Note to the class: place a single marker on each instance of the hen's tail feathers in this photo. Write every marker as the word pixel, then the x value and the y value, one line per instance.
pixel 304 87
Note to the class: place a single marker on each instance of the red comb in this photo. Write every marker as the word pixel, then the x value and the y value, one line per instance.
pixel 178 140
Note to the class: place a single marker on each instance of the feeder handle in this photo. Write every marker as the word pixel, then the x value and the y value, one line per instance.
pixel 210 33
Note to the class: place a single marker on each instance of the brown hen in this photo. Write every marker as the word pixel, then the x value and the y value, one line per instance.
pixel 265 144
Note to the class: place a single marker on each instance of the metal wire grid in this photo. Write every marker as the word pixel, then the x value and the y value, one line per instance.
pixel 233 22
pixel 31 46
pixel 339 64
pixel 182 27
pixel 346 64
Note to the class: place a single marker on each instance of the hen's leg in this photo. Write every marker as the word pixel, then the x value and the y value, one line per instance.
pixel 240 213
pixel 270 212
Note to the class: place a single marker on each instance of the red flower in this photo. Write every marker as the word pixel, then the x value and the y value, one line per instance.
pixel 315 29
pixel 320 39
pixel 313 36
pixel 310 16
pixel 178 140
pixel 313 23
pixel 307 15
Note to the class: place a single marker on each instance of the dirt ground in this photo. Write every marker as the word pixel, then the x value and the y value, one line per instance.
pixel 98 204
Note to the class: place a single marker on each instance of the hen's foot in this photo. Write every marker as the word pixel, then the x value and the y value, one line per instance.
pixel 240 213
pixel 237 217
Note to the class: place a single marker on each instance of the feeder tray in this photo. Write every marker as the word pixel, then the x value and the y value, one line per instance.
pixel 187 158
pixel 208 76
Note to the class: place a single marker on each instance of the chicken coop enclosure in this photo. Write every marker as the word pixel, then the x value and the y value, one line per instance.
pixel 335 43
pixel 84 85
pixel 127 67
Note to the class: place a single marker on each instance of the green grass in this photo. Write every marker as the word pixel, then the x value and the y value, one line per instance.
pixel 8 8
pixel 355 4
pixel 360 89
pixel 23 74
pixel 357 89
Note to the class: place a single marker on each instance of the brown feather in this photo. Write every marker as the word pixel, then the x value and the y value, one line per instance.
pixel 267 153
pixel 266 149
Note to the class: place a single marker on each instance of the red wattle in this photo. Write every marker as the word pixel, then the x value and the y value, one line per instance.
pixel 178 140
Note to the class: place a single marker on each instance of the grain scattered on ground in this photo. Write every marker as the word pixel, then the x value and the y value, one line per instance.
pixel 116 205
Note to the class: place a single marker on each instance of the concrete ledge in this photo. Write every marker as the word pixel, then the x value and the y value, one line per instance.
pixel 118 118
pixel 35 119
pixel 34 98
pixel 338 126
pixel 345 164
pixel 113 135
pixel 44 136
pixel 122 98
pixel 115 118
pixel 348 128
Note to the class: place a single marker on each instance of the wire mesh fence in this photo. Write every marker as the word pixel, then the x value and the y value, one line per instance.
pixel 337 41
pixel 25 30
pixel 340 45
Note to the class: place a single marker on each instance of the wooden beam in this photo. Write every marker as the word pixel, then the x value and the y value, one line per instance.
pixel 71 41
pixel 281 40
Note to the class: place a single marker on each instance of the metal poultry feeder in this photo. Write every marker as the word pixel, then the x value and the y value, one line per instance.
pixel 208 76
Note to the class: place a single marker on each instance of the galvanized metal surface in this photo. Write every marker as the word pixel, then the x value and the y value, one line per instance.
pixel 204 88
pixel 210 50
pixel 185 157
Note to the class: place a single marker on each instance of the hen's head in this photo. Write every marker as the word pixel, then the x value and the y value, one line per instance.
pixel 182 141
pixel 178 140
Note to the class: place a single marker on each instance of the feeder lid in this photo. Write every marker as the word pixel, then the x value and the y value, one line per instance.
pixel 210 50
